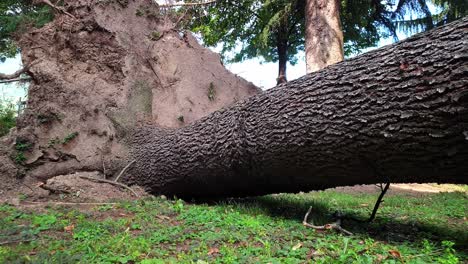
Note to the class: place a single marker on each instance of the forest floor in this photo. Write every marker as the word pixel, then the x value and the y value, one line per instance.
pixel 415 224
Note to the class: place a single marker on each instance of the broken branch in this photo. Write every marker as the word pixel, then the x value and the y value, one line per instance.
pixel 110 182
pixel 14 75
pixel 123 171
pixel 336 225
pixel 15 80
pixel 379 200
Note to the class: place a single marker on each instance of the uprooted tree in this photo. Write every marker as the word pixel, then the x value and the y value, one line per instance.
pixel 109 81
pixel 399 114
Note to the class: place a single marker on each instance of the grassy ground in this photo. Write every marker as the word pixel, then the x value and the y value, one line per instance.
pixel 427 229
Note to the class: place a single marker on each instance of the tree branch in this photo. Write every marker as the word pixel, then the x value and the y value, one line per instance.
pixel 14 75
pixel 110 182
pixel 336 225
pixel 15 80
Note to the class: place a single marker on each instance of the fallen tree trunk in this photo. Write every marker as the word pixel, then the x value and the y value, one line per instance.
pixel 399 114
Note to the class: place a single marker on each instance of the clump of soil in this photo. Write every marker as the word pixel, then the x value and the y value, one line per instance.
pixel 113 66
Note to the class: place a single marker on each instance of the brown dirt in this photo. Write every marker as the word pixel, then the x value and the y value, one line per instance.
pixel 68 189
pixel 98 76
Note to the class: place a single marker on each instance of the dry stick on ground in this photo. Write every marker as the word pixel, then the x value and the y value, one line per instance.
pixel 123 171
pixel 62 203
pixel 110 182
pixel 336 225
pixel 15 241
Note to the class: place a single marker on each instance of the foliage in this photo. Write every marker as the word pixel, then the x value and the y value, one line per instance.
pixel 408 229
pixel 15 17
pixel 258 24
pixel 7 118
pixel 69 137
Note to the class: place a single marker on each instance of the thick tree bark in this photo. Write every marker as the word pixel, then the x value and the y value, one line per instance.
pixel 399 114
pixel 324 36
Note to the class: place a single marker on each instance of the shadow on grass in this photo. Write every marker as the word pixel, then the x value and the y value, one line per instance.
pixel 385 227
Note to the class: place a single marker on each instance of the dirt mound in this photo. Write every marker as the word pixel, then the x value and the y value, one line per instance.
pixel 113 66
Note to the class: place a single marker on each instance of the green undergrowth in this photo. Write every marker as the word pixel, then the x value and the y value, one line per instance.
pixel 268 229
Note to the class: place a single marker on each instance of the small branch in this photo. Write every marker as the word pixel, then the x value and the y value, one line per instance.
pixel 187 4
pixel 123 171
pixel 111 182
pixel 15 241
pixel 62 203
pixel 379 201
pixel 14 75
pixel 336 225
pixel 15 80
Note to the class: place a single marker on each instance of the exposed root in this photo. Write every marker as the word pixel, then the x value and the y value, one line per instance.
pixel 111 182
pixel 336 225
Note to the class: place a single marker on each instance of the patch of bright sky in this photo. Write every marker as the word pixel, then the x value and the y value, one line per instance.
pixel 261 74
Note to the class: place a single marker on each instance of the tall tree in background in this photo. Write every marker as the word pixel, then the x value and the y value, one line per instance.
pixel 276 30
pixel 270 29
pixel 323 34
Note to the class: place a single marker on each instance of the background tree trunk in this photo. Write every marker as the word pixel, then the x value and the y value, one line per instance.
pixel 282 62
pixel 324 36
pixel 399 113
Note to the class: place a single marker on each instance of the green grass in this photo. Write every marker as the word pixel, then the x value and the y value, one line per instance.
pixel 430 229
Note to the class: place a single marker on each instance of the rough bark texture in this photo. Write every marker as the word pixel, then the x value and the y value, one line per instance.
pixel 324 36
pixel 105 69
pixel 399 113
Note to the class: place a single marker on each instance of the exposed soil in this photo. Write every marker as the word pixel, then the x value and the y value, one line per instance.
pixel 113 67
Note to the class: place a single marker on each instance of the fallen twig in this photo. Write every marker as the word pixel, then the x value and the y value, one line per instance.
pixel 336 225
pixel 110 182
pixel 15 241
pixel 123 171
pixel 63 203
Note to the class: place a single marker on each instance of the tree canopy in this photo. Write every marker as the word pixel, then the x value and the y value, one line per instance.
pixel 15 17
pixel 252 28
